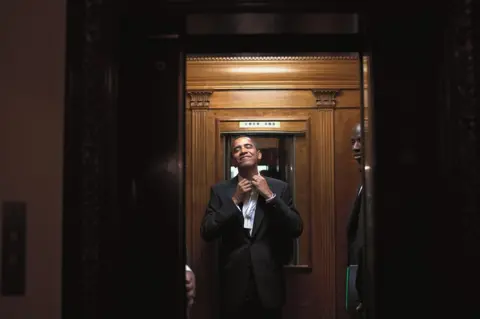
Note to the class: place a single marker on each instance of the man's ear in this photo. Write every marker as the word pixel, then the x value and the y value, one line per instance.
pixel 259 155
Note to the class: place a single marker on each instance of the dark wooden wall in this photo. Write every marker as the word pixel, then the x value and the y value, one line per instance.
pixel 326 174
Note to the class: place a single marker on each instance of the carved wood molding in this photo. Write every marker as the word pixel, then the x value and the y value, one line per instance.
pixel 271 58
pixel 199 99
pixel 323 200
pixel 253 73
pixel 297 124
pixel 326 98
pixel 202 176
pixel 366 71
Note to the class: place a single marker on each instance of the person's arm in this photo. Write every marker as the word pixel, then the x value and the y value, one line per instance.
pixel 283 205
pixel 352 223
pixel 352 226
pixel 190 285
pixel 217 215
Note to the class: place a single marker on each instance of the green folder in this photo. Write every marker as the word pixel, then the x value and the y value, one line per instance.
pixel 351 294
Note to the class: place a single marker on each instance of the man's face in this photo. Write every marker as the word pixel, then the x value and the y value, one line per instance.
pixel 244 153
pixel 357 143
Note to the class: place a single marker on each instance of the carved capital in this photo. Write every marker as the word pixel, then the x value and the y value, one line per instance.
pixel 325 98
pixel 200 99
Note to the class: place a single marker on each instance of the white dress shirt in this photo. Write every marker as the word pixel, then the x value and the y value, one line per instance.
pixel 249 208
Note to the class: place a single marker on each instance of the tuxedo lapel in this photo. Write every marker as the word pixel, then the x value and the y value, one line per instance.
pixel 232 186
pixel 259 214
pixel 358 201
pixel 230 191
pixel 260 211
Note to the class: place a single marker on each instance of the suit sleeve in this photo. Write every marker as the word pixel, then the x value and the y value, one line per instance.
pixel 352 225
pixel 217 215
pixel 290 217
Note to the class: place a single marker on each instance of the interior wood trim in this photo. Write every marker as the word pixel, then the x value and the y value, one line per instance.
pixel 220 151
pixel 199 178
pixel 188 185
pixel 326 98
pixel 243 73
pixel 271 58
pixel 271 99
pixel 261 118
pixel 198 99
pixel 292 127
pixel 323 199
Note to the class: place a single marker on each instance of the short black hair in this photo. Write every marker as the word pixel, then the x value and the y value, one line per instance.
pixel 234 138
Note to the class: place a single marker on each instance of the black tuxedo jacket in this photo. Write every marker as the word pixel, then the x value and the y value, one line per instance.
pixel 355 231
pixel 264 252
pixel 356 244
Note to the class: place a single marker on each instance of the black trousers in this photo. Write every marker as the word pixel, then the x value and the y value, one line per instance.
pixel 252 306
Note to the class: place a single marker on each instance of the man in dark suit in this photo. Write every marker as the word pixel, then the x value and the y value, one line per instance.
pixel 256 221
pixel 355 237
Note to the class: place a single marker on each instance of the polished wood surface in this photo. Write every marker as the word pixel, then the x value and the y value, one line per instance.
pixel 234 73
pixel 347 179
pixel 315 97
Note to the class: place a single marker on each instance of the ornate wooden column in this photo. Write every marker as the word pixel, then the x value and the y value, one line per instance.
pixel 323 164
pixel 198 181
pixel 197 106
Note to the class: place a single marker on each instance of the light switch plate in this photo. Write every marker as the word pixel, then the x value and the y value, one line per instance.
pixel 14 235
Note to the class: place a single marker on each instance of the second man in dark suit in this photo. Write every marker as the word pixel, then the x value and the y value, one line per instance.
pixel 355 238
pixel 255 220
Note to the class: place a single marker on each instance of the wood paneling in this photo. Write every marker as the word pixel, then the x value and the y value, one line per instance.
pixel 316 286
pixel 286 125
pixel 324 216
pixel 188 181
pixel 303 195
pixel 348 99
pixel 202 174
pixel 277 99
pixel 347 179
pixel 254 99
pixel 240 73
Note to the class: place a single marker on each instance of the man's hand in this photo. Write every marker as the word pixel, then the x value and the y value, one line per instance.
pixel 190 285
pixel 243 187
pixel 261 185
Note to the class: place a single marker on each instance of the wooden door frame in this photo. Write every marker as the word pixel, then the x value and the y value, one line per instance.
pixel 216 104
pixel 289 125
